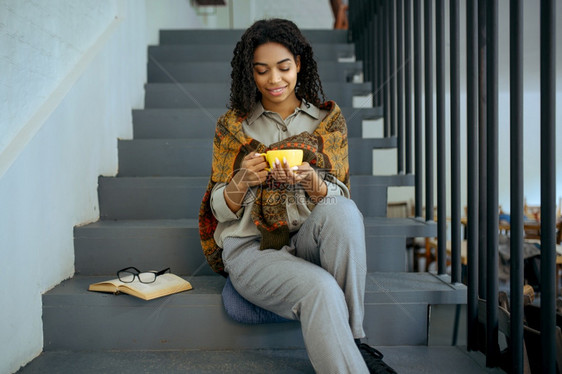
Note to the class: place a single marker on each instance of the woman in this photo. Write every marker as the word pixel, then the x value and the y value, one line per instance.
pixel 290 239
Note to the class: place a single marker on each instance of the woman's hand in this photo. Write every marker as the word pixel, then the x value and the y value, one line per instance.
pixel 282 173
pixel 304 174
pixel 252 172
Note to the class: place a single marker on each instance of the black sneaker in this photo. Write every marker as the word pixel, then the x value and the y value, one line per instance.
pixel 373 359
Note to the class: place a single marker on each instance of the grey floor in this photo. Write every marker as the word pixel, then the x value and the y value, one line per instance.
pixel 440 356
pixel 428 359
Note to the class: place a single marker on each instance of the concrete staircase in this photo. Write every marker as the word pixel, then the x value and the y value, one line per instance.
pixel 148 218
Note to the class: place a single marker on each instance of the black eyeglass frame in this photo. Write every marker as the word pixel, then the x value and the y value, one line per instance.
pixel 156 274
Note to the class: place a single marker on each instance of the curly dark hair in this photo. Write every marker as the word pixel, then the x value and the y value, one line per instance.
pixel 243 91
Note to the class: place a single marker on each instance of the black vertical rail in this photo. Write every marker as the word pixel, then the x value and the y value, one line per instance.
pixel 482 180
pixel 380 54
pixel 418 110
pixel 370 47
pixel 428 22
pixel 400 84
pixel 376 48
pixel 472 173
pixel 354 23
pixel 492 349
pixel 365 39
pixel 441 141
pixel 386 67
pixel 392 64
pixel 516 177
pixel 408 83
pixel 548 184
pixel 351 18
pixel 455 144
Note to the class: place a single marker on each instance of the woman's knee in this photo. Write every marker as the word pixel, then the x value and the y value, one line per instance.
pixel 340 209
pixel 326 291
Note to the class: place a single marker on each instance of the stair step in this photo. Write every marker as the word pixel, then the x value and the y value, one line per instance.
pixel 176 123
pixel 103 247
pixel 200 122
pixel 412 359
pixel 151 197
pixel 407 227
pixel 198 72
pixel 360 151
pixel 271 361
pixel 224 52
pixel 354 118
pixel 398 180
pixel 386 241
pixel 370 192
pixel 196 95
pixel 233 36
pixel 75 319
pixel 193 157
pixel 165 157
pixel 180 197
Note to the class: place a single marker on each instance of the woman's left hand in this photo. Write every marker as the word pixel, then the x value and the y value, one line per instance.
pixel 304 174
pixel 282 173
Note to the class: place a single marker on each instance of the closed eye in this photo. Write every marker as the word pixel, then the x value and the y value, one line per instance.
pixel 265 71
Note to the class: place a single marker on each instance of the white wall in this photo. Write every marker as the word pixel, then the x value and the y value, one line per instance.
pixel 169 14
pixel 240 14
pixel 312 14
pixel 70 74
pixel 38 53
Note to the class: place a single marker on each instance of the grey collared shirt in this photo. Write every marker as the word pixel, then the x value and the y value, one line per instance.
pixel 268 127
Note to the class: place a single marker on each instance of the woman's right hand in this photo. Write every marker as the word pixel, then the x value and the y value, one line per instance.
pixel 252 172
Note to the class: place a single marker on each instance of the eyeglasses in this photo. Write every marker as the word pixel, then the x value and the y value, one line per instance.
pixel 128 275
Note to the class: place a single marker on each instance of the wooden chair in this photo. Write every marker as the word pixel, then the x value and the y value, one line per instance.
pixel 532 226
pixel 504 327
pixel 398 209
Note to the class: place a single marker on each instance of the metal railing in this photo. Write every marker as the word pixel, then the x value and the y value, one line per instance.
pixel 384 32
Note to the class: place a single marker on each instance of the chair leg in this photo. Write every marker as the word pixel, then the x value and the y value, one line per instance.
pixel 427 254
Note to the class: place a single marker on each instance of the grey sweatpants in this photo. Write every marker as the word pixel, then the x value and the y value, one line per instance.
pixel 319 279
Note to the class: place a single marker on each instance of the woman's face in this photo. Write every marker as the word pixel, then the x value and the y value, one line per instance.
pixel 275 74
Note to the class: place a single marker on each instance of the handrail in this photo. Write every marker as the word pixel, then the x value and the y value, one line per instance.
pixel 455 143
pixel 472 172
pixel 492 349
pixel 548 183
pixel 383 30
pixel 516 175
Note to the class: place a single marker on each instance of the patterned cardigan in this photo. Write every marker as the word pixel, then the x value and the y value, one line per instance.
pixel 324 149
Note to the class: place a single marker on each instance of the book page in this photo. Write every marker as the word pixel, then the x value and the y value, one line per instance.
pixel 106 286
pixel 165 284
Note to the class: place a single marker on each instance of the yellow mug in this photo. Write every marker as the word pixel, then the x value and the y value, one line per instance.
pixel 293 156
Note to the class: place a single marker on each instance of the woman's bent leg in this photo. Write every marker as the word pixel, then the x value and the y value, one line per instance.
pixel 333 237
pixel 296 289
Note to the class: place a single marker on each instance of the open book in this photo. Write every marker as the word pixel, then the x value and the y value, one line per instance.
pixel 165 284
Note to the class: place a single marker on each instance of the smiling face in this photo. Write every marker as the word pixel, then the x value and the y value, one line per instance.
pixel 275 74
